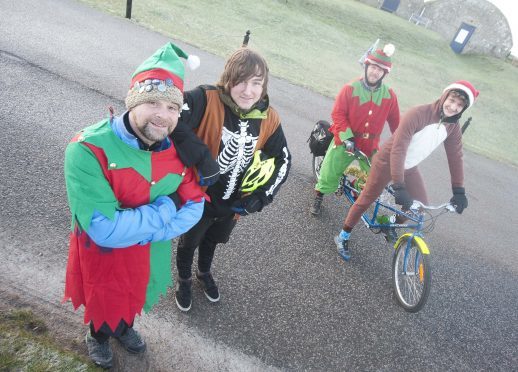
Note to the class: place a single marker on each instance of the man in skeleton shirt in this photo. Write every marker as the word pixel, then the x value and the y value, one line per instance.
pixel 422 129
pixel 235 120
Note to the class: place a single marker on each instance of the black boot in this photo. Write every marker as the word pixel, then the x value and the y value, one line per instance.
pixel 183 294
pixel 209 285
pixel 317 204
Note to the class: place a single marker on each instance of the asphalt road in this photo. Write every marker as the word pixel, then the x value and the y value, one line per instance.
pixel 287 302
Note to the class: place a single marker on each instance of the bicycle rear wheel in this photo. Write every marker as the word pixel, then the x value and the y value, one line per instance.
pixel 317 163
pixel 411 276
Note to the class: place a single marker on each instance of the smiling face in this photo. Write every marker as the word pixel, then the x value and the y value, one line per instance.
pixel 373 74
pixel 154 121
pixel 453 104
pixel 247 93
pixel 245 78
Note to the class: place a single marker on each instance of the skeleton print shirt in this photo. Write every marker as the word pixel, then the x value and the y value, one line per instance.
pixel 240 133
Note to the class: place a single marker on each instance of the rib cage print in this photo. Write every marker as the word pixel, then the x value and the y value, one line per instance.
pixel 238 150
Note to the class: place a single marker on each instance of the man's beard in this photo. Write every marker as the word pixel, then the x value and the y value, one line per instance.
pixel 377 83
pixel 154 135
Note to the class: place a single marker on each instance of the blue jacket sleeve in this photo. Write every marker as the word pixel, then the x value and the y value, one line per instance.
pixel 156 221
pixel 185 218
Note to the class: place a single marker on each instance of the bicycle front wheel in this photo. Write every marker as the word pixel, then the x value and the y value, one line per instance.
pixel 411 275
pixel 317 163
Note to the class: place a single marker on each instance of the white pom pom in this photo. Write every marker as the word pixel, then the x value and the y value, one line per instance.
pixel 193 62
pixel 389 50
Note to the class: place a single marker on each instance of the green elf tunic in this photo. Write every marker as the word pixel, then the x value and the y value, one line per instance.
pixel 359 113
pixel 105 174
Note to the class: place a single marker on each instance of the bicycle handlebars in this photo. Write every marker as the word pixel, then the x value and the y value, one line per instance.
pixel 417 204
pixel 360 155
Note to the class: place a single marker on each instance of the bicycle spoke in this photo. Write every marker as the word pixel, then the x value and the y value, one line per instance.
pixel 414 290
pixel 411 279
pixel 410 290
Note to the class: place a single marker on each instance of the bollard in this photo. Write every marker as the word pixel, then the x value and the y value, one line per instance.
pixel 128 9
pixel 246 38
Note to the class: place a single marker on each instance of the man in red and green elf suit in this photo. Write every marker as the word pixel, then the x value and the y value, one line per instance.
pixel 359 114
pixel 129 194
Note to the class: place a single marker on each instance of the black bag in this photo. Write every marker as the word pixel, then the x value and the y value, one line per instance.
pixel 320 138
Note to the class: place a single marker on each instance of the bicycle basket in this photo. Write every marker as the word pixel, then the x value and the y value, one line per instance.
pixel 320 138
pixel 358 177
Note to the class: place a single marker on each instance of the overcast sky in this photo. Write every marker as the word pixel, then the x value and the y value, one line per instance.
pixel 510 9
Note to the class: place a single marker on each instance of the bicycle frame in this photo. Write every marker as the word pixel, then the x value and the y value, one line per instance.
pixel 412 214
pixel 411 271
pixel 370 220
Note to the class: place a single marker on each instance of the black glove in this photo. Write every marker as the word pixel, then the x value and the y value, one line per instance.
pixel 193 152
pixel 249 204
pixel 349 145
pixel 208 171
pixel 402 196
pixel 176 199
pixel 459 200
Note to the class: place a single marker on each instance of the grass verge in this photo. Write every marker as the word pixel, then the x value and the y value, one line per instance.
pixel 317 44
pixel 25 345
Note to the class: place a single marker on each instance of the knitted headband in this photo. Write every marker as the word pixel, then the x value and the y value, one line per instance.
pixel 160 77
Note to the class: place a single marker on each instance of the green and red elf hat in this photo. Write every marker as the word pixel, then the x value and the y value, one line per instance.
pixel 382 57
pixel 160 77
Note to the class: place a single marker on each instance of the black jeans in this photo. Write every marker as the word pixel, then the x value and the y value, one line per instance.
pixel 104 333
pixel 206 234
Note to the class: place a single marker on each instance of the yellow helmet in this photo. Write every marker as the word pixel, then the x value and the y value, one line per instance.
pixel 258 173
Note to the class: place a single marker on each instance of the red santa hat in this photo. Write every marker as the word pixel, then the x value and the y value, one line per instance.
pixel 467 88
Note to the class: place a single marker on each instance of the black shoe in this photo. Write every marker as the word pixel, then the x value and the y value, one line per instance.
pixel 317 205
pixel 183 294
pixel 390 234
pixel 209 286
pixel 132 341
pixel 100 353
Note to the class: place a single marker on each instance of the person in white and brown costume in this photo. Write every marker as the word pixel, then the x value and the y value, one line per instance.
pixel 421 130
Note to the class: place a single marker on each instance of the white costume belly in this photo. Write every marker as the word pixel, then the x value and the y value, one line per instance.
pixel 424 143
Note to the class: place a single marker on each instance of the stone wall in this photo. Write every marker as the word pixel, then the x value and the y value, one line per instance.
pixel 492 35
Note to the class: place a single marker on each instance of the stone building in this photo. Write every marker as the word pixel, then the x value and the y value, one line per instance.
pixel 492 35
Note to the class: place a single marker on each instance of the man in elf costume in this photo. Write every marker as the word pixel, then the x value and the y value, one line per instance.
pixel 423 128
pixel 359 114
pixel 235 119
pixel 129 194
